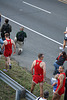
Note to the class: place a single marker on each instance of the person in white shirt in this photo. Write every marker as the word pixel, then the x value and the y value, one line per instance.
pixel 46 95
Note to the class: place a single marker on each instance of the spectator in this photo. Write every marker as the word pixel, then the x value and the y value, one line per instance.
pixel 6 28
pixel 61 84
pixel 46 95
pixel 19 40
pixel 8 50
pixel 1 43
pixel 64 42
pixel 60 61
pixel 65 95
pixel 54 82
pixel 39 69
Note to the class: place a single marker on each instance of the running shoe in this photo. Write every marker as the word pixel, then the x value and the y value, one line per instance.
pixel 10 66
pixel 19 52
pixel 61 48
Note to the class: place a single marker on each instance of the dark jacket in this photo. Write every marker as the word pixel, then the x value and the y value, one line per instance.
pixel 6 28
pixel 19 33
pixel 60 60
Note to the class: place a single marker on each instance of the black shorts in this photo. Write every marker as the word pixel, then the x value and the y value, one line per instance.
pixel 65 39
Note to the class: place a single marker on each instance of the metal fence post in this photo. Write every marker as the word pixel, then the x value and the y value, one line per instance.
pixel 17 95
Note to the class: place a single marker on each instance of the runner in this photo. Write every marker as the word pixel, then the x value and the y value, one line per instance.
pixel 65 40
pixel 8 50
pixel 39 73
pixel 61 84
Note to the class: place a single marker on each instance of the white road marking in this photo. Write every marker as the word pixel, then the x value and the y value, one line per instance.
pixel 36 7
pixel 33 31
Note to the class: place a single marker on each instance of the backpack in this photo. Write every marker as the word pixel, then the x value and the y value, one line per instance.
pixel 6 28
pixel 20 36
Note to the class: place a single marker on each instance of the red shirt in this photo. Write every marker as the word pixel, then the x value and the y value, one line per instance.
pixel 37 69
pixel 8 48
pixel 61 91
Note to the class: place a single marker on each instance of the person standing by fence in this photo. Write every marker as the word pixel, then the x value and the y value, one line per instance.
pixel 45 96
pixel 38 70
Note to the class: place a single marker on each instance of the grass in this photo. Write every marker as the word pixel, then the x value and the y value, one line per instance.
pixel 6 90
pixel 23 77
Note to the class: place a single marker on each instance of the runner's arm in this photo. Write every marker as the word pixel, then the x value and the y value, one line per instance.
pixel 2 46
pixel 44 70
pixel 14 46
pixel 32 67
pixel 5 43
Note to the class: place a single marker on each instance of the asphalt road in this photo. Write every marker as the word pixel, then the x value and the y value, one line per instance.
pixel 44 22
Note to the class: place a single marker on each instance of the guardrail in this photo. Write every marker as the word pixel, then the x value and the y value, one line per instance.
pixel 16 86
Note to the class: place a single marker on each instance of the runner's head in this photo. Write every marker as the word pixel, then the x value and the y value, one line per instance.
pixel 61 69
pixel 6 35
pixel 40 56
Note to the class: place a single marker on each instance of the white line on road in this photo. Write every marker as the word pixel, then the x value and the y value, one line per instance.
pixel 33 31
pixel 36 7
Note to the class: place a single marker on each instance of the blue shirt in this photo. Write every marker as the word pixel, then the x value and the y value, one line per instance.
pixel 1 41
